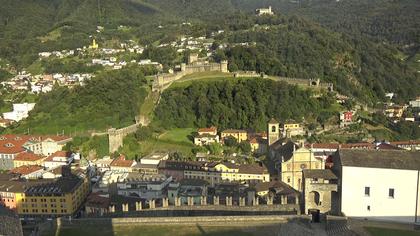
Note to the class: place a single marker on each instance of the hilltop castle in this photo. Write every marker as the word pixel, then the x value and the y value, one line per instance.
pixel 195 64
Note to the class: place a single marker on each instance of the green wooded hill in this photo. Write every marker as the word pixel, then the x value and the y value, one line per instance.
pixel 241 104
pixel 294 47
pixel 395 21
pixel 111 99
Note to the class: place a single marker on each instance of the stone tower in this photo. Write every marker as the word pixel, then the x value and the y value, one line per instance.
pixel 273 131
pixel 224 66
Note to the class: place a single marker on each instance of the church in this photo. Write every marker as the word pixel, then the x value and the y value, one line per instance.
pixel 289 158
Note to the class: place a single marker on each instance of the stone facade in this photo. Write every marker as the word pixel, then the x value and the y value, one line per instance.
pixel 320 191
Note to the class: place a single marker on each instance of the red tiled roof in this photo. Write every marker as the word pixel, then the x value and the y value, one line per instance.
pixel 234 131
pixel 323 145
pixel 56 138
pixel 408 142
pixel 13 143
pixel 207 130
pixel 28 156
pixel 122 162
pixel 25 170
pixel 95 200
pixel 58 154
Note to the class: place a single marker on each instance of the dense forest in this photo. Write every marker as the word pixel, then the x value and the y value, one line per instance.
pixel 397 22
pixel 111 99
pixel 245 103
pixel 294 47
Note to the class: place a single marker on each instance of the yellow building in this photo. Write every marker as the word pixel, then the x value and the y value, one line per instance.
pixel 227 172
pixel 28 159
pixel 63 196
pixel 291 160
pixel 292 128
pixel 239 135
pixel 94 45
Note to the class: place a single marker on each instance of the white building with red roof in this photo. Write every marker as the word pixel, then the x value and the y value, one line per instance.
pixel 59 158
pixel 28 172
pixel 11 145
pixel 123 165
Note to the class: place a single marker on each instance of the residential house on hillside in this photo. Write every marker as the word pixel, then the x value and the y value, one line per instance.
pixel 239 135
pixel 20 111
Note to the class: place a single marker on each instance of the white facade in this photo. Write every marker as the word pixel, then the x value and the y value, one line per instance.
pixel 20 111
pixel 378 204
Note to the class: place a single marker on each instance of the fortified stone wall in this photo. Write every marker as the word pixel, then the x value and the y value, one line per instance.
pixel 214 220
pixel 162 81
pixel 116 136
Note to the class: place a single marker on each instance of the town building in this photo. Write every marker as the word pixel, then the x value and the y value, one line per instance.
pixel 59 158
pixel 60 197
pixel 186 189
pixel 320 191
pixel 121 164
pixel 149 164
pixel 258 145
pixel 28 172
pixel 278 191
pixel 103 164
pixel 264 11
pixel 5 122
pixel 290 160
pixel 239 135
pixel 292 128
pixel 378 184
pixel 143 186
pixel 209 131
pixel 214 173
pixel 205 139
pixel 20 111
pixel 97 204
pixel 407 145
pixel 11 145
pixel 273 130
pixel 28 158
pixel 346 118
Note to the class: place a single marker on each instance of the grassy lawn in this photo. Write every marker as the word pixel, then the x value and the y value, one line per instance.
pixel 178 135
pixel 157 145
pixel 160 230
pixel 374 231
pixel 148 105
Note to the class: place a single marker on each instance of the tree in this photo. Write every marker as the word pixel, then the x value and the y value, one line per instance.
pixel 215 148
pixel 245 147
pixel 230 141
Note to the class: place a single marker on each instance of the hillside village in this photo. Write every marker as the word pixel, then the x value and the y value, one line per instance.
pixel 348 161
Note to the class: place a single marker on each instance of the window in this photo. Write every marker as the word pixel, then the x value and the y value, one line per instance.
pixel 273 128
pixel 368 208
pixel 367 191
pixel 391 193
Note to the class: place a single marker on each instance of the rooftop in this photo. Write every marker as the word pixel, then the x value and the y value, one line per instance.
pixel 28 156
pixel 122 162
pixel 319 174
pixel 25 170
pixel 387 159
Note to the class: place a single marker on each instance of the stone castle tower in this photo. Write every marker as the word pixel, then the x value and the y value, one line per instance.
pixel 273 131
